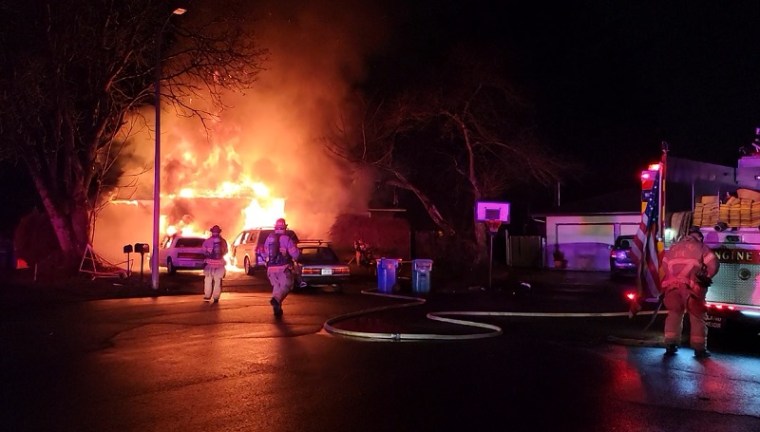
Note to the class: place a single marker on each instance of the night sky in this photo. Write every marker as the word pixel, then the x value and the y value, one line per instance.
pixel 607 80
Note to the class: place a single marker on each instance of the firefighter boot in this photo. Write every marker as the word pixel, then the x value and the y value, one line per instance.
pixel 671 349
pixel 276 308
pixel 701 354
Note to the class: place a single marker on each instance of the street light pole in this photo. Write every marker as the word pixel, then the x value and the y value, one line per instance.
pixel 157 156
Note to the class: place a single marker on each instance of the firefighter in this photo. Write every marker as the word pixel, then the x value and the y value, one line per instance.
pixel 281 252
pixel 688 269
pixel 215 248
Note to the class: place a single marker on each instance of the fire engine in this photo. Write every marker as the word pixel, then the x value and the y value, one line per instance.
pixel 735 291
pixel 730 223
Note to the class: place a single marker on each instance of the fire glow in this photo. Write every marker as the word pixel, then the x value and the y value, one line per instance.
pixel 261 211
pixel 263 153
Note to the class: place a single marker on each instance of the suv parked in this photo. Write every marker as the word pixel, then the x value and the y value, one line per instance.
pixel 247 249
pixel 621 261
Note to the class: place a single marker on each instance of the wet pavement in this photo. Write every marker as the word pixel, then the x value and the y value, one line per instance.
pixel 565 358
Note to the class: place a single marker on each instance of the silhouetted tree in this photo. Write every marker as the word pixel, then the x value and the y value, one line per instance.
pixel 72 72
pixel 453 141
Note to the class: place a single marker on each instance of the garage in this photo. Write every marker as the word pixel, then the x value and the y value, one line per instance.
pixel 583 242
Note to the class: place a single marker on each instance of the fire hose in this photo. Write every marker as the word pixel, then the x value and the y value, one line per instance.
pixel 444 316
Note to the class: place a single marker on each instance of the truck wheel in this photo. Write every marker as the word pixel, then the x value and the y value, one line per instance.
pixel 247 266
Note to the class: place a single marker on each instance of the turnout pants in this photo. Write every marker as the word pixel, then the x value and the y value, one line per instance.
pixel 212 281
pixel 679 301
pixel 281 278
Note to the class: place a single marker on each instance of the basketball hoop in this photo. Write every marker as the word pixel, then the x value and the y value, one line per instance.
pixel 493 225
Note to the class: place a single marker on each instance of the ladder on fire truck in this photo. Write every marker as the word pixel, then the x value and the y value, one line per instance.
pixel 98 267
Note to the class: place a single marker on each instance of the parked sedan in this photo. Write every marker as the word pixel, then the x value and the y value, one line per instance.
pixel 181 253
pixel 621 259
pixel 319 265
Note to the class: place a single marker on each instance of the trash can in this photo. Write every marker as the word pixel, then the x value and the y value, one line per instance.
pixel 421 269
pixel 386 274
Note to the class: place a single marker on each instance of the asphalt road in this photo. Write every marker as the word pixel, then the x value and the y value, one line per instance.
pixel 172 362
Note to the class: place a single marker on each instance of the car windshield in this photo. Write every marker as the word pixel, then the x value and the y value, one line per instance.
pixel 317 255
pixel 189 242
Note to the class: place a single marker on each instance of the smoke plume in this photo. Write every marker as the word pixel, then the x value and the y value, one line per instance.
pixel 271 135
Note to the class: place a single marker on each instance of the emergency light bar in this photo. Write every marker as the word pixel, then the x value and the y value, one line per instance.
pixel 647 179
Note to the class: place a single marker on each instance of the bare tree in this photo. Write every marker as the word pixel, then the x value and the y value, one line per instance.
pixel 464 137
pixel 72 71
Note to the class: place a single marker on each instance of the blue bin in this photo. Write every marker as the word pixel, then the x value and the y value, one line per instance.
pixel 421 269
pixel 386 274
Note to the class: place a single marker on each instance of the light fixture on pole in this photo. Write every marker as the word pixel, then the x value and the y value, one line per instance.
pixel 157 157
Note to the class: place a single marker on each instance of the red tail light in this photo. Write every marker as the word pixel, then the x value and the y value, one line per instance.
pixel 631 296
pixel 189 255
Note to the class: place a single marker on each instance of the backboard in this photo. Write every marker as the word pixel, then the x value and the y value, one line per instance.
pixel 491 210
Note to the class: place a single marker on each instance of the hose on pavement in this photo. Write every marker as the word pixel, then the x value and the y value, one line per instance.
pixel 445 316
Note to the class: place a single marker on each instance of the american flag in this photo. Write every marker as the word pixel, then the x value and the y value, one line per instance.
pixel 645 252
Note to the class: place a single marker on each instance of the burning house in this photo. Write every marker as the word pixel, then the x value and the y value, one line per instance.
pixel 261 157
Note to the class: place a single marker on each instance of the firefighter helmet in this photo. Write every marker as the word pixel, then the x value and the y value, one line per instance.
pixel 280 225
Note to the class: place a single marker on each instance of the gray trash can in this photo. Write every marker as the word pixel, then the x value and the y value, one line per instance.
pixel 386 274
pixel 421 269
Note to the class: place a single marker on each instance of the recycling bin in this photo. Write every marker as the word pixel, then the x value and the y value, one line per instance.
pixel 421 269
pixel 386 274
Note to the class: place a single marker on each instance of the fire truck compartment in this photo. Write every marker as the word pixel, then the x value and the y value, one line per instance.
pixel 736 287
